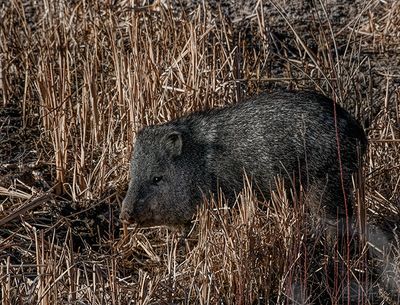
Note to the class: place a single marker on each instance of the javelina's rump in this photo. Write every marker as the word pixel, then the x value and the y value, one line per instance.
pixel 291 134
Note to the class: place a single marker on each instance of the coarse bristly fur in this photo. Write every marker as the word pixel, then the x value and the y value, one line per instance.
pixel 294 135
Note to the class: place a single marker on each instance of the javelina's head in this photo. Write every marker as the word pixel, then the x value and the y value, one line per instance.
pixel 161 189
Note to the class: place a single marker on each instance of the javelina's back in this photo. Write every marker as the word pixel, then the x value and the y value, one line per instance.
pixel 291 134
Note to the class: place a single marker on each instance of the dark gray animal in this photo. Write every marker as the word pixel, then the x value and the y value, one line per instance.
pixel 291 134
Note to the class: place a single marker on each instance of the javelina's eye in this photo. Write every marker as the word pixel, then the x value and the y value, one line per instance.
pixel 156 179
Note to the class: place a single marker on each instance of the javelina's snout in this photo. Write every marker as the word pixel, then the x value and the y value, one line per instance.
pixel 127 210
pixel 133 209
pixel 125 216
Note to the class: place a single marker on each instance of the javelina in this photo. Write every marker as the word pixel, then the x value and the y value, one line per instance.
pixel 291 134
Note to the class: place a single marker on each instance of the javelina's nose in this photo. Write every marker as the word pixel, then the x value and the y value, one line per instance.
pixel 125 215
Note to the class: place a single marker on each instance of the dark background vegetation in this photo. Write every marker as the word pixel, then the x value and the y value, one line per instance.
pixel 79 78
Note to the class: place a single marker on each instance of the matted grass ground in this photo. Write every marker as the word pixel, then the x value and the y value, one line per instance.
pixel 79 78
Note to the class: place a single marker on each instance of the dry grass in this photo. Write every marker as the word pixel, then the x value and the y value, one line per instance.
pixel 79 78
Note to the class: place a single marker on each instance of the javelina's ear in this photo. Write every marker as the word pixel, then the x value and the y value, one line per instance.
pixel 173 143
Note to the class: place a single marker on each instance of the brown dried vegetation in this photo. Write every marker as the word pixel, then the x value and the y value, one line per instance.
pixel 77 80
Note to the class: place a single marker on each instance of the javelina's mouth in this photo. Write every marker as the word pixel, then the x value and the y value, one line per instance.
pixel 140 220
pixel 124 216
